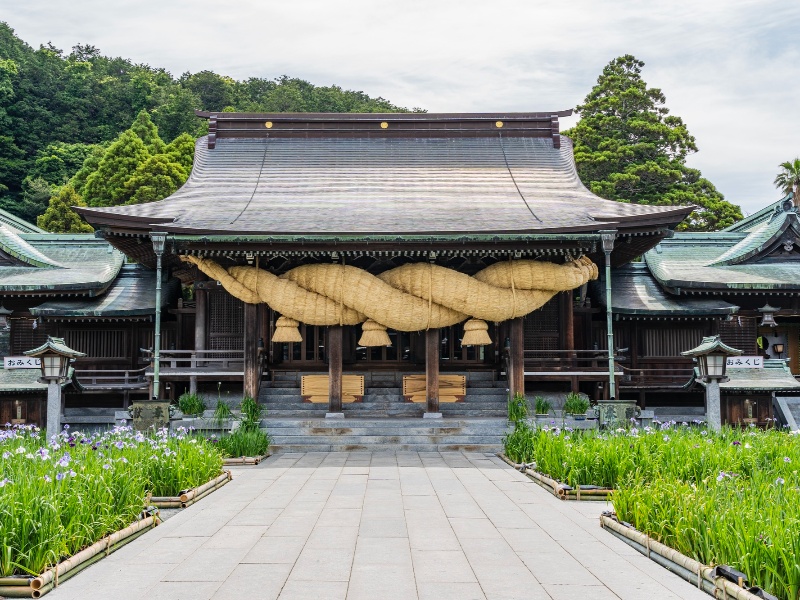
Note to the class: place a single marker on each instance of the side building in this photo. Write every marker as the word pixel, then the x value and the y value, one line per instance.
pixel 77 287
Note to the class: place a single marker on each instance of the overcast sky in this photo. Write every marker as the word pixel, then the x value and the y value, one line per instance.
pixel 730 69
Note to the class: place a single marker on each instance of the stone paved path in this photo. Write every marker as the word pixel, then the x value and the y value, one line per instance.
pixel 379 526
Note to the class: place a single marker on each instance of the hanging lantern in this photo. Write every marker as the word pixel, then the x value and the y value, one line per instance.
pixel 768 315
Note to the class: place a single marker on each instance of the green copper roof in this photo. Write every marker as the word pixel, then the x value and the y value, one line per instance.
pixel 712 343
pixel 751 257
pixel 20 251
pixel 24 380
pixel 54 344
pixel 19 225
pixel 635 292
pixel 775 376
pixel 56 264
pixel 132 294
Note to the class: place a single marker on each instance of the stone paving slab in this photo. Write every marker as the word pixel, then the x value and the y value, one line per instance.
pixel 377 526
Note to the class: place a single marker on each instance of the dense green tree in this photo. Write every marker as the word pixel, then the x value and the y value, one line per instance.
pixel 147 131
pixel 630 149
pixel 35 195
pixel 181 151
pixel 215 91
pixel 57 162
pixel 89 166
pixel 60 216
pixel 788 180
pixel 154 179
pixel 106 185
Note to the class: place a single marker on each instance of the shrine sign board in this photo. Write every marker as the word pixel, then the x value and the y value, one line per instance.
pixel 21 362
pixel 746 362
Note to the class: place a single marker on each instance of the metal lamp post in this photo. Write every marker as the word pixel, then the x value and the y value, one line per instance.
pixel 154 413
pixel 712 360
pixel 55 357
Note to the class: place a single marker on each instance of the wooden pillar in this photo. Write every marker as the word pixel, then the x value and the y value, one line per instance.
pixel 335 369
pixel 200 319
pixel 517 356
pixel 252 374
pixel 432 370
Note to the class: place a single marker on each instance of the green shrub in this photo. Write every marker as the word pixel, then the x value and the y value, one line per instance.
pixel 222 413
pixel 243 442
pixel 543 407
pixel 518 408
pixel 191 404
pixel 251 415
pixel 575 404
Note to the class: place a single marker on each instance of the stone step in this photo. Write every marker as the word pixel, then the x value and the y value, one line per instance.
pixel 383 440
pixel 386 429
pixel 486 448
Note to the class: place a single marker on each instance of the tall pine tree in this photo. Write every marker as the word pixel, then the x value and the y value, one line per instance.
pixel 630 149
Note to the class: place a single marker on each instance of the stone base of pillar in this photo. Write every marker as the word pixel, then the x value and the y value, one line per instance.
pixel 432 415
pixel 334 415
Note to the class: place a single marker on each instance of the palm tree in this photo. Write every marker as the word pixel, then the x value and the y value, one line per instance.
pixel 788 180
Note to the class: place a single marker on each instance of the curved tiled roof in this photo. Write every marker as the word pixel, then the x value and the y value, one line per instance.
pixel 52 264
pixel 401 185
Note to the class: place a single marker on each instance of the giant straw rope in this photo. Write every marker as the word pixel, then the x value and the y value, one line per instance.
pixel 411 297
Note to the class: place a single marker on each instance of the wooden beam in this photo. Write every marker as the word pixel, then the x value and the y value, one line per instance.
pixel 252 373
pixel 517 356
pixel 432 338
pixel 335 369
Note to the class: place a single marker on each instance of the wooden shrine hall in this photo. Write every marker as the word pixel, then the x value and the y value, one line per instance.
pixel 419 247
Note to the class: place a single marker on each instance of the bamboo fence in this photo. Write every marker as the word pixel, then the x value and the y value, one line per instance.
pixel 244 460
pixel 562 490
pixel 189 497
pixel 36 587
pixel 705 577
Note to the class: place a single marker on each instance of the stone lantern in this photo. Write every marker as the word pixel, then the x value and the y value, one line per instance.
pixel 55 357
pixel 712 360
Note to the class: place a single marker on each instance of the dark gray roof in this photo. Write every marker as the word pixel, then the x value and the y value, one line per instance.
pixel 402 185
pixel 635 292
pixel 132 294
pixel 48 263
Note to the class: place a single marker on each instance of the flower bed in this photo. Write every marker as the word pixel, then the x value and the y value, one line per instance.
pixel 60 497
pixel 721 498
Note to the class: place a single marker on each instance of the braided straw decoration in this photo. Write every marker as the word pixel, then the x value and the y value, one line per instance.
pixel 412 297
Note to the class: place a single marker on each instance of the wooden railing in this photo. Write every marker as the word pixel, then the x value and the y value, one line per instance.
pixel 111 379
pixel 660 377
pixel 568 361
pixel 199 360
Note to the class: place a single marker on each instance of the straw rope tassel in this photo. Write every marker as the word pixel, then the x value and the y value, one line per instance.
pixel 412 297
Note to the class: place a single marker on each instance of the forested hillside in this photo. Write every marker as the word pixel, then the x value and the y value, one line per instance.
pixel 59 110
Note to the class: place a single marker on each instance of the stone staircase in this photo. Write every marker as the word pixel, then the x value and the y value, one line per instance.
pixel 680 414
pixel 383 419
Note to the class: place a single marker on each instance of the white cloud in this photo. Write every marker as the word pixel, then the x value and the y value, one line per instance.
pixel 729 68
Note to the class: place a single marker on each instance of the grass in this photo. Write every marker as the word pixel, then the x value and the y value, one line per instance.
pixel 722 498
pixel 247 439
pixel 61 496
